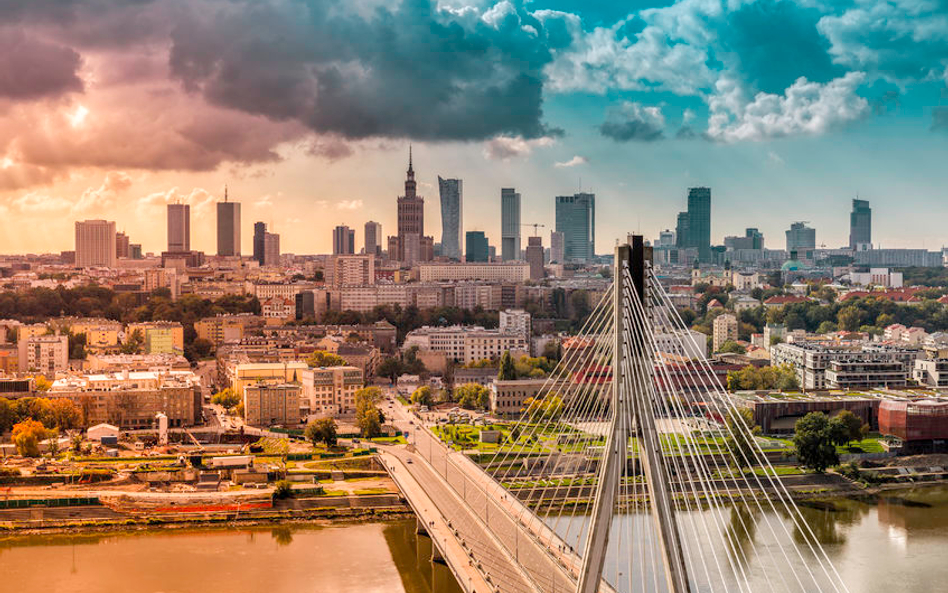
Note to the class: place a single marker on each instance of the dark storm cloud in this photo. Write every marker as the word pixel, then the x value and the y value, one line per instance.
pixel 633 122
pixel 31 68
pixel 409 70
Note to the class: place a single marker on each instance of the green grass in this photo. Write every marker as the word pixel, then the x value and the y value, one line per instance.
pixel 870 445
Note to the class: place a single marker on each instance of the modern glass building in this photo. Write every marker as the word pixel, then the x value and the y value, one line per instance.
pixel 228 227
pixel 179 228
pixel 860 225
pixel 452 216
pixel 509 224
pixel 576 219
pixel 343 240
pixel 476 248
pixel 801 239
pixel 259 241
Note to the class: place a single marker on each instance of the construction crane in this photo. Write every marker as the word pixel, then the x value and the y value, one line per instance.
pixel 536 226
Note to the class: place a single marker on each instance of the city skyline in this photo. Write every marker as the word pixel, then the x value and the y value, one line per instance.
pixel 633 105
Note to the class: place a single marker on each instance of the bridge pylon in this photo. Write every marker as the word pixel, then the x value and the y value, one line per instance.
pixel 632 416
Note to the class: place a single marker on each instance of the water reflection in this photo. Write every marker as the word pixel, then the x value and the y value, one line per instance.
pixel 282 535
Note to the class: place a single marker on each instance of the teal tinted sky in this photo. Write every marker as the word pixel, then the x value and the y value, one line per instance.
pixel 787 110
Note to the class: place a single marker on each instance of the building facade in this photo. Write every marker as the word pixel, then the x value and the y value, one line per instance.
pixel 860 226
pixel 576 220
pixel 509 224
pixel 343 240
pixel 330 391
pixel 373 238
pixel 95 244
pixel 476 247
pixel 179 228
pixel 268 404
pixel 452 217
pixel 228 228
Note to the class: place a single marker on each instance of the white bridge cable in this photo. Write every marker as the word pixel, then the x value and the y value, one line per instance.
pixel 700 470
pixel 719 399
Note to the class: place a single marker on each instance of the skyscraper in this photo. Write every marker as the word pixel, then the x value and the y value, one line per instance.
pixel 373 238
pixel 412 243
pixel 476 248
pixel 800 239
pixel 509 224
pixel 95 243
pixel 271 249
pixel 576 219
pixel 259 241
pixel 694 225
pixel 535 257
pixel 228 227
pixel 121 245
pixel 343 240
pixel 556 247
pixel 860 225
pixel 179 228
pixel 452 216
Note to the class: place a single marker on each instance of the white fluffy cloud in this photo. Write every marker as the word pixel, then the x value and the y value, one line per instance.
pixel 805 108
pixel 573 162
pixel 504 148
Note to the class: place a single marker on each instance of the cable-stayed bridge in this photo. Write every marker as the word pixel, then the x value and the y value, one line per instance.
pixel 623 474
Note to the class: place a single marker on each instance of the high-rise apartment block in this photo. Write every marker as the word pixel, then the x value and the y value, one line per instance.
pixel 509 224
pixel 95 243
pixel 373 238
pixel 271 249
pixel 228 227
pixel 694 225
pixel 179 228
pixel 121 245
pixel 801 239
pixel 725 330
pixel 350 270
pixel 452 216
pixel 557 252
pixel 475 248
pixel 259 241
pixel 535 257
pixel 43 354
pixel 860 226
pixel 343 240
pixel 576 219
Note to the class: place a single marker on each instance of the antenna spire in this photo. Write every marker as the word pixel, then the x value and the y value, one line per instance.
pixel 225 192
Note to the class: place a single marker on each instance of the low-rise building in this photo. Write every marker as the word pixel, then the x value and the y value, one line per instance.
pixel 267 404
pixel 467 344
pixel 330 391
pixel 158 337
pixel 43 354
pixel 725 330
pixel 859 366
pixel 241 374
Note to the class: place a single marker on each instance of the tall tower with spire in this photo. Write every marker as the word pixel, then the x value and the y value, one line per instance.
pixel 412 244
pixel 228 227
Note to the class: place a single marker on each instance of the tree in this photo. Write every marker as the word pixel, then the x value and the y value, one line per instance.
pixel 199 349
pixel 813 441
pixel 549 407
pixel 322 430
pixel 321 358
pixel 133 343
pixel 849 318
pixel 27 436
pixel 7 415
pixel 847 427
pixel 41 383
pixel 226 398
pixel 368 416
pixel 77 346
pixel 389 368
pixel 506 372
pixel 732 347
pixel 64 414
pixel 826 327
pixel 422 396
pixel 472 396
pixel 741 431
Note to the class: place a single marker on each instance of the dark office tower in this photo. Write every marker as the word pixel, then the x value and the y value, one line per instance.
pixel 509 224
pixel 259 241
pixel 576 219
pixel 860 225
pixel 535 257
pixel 476 248
pixel 373 238
pixel 228 227
pixel 681 231
pixel 699 221
pixel 343 240
pixel 755 238
pixel 452 216
pixel 179 228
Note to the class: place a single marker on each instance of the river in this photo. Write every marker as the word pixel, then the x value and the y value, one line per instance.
pixel 896 543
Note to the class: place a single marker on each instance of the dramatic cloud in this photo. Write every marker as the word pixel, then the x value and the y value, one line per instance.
pixel 31 68
pixel 504 148
pixel 805 108
pixel 573 162
pixel 631 121
pixel 411 70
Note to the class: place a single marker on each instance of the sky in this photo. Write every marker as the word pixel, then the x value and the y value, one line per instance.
pixel 305 111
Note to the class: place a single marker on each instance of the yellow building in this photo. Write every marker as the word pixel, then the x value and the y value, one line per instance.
pixel 159 337
pixel 25 332
pixel 330 391
pixel 268 405
pixel 101 334
pixel 250 373
pixel 224 328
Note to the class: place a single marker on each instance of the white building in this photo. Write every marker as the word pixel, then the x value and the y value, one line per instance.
pixel 350 270
pixel 745 281
pixel 877 277
pixel 329 391
pixel 688 343
pixel 95 243
pixel 515 321
pixel 467 343
pixel 457 272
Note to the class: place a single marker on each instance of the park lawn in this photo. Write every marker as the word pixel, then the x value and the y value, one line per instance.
pixel 869 445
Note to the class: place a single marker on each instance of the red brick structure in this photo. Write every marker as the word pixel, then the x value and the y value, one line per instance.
pixel 920 420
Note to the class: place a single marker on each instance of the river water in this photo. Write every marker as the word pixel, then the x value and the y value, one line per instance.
pixel 894 543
